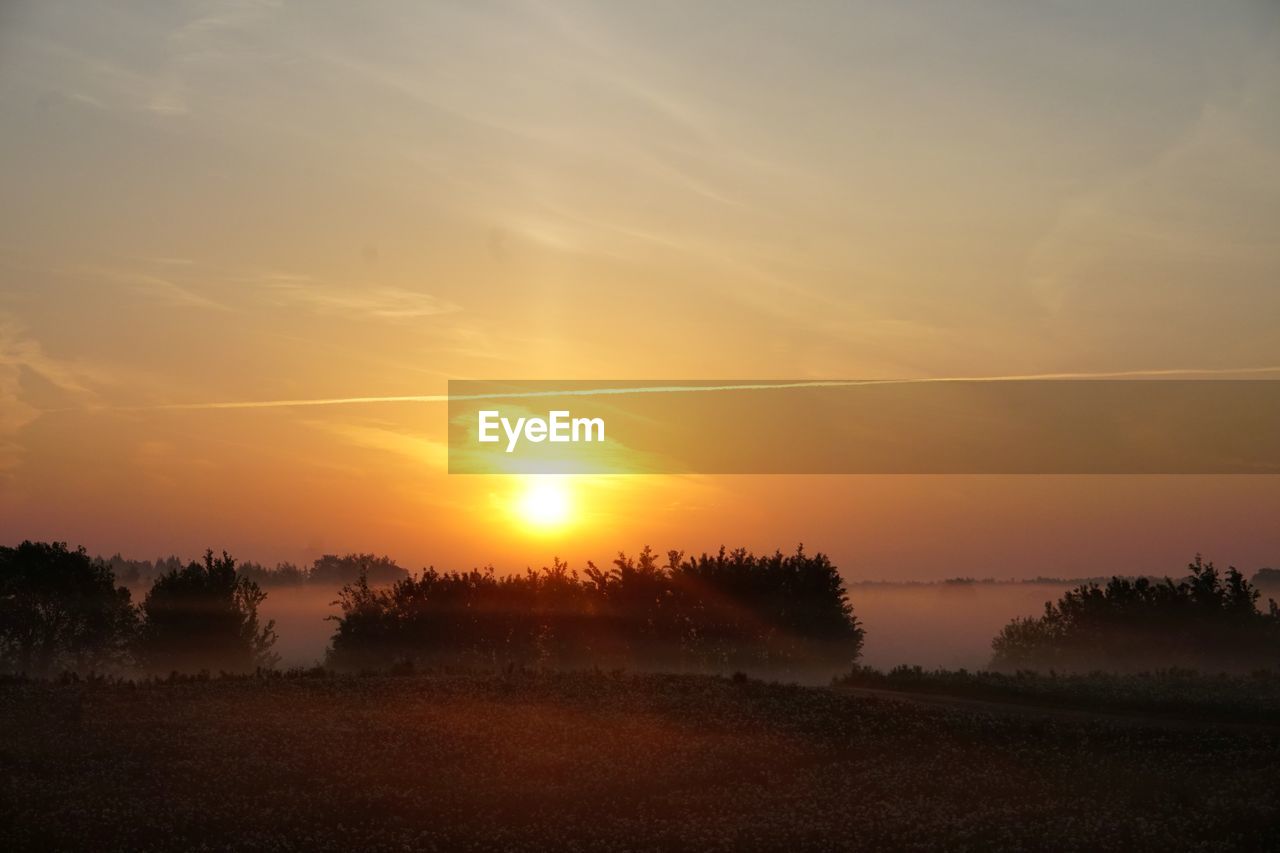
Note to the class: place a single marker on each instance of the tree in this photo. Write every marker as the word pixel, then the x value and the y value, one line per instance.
pixel 729 609
pixel 1266 580
pixel 60 610
pixel 284 574
pixel 1205 621
pixel 205 616
pixel 340 571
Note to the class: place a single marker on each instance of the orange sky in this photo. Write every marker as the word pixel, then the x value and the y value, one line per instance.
pixel 257 201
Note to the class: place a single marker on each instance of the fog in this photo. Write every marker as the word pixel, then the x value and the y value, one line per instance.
pixel 932 625
pixel 300 614
pixel 942 625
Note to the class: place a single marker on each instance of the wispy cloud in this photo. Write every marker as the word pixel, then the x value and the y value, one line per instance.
pixel 381 303
pixel 168 291
pixel 20 354
pixel 182 282
pixel 155 77
pixel 416 447
pixel 137 276
pixel 1189 201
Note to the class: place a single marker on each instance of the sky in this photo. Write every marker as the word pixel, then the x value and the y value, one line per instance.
pixel 266 201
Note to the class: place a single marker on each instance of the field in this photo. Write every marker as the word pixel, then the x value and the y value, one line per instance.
pixel 607 761
pixel 1175 694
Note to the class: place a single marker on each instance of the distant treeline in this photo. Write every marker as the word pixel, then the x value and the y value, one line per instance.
pixel 731 608
pixel 337 571
pixel 1040 580
pixel 330 570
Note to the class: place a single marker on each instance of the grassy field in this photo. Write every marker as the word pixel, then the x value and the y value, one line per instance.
pixel 531 760
pixel 1179 694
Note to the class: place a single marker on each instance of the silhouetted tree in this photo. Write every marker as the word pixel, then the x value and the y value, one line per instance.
pixel 205 616
pixel 729 609
pixel 60 610
pixel 1205 621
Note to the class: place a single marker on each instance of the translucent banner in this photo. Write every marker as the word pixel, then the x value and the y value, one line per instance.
pixel 1068 426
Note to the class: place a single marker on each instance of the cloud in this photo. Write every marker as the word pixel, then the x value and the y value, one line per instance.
pixel 168 291
pixel 183 283
pixel 1207 196
pixel 21 355
pixel 378 303
pixel 162 288
pixel 433 454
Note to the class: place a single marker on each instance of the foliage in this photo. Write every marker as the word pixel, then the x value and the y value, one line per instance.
pixel 329 570
pixel 727 609
pixel 205 616
pixel 284 574
pixel 1206 621
pixel 338 571
pixel 60 610
pixel 1266 579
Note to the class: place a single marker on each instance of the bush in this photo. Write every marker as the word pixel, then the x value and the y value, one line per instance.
pixel 205 616
pixel 59 610
pixel 728 609
pixel 1206 622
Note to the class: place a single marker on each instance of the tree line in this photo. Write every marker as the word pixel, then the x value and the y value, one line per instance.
pixel 61 610
pixel 330 570
pixel 728 609
pixel 1208 620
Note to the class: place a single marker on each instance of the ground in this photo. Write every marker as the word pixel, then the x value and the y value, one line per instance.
pixel 587 761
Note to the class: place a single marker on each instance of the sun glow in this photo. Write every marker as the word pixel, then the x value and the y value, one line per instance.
pixel 545 503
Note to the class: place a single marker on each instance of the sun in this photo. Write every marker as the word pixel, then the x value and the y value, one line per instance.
pixel 545 503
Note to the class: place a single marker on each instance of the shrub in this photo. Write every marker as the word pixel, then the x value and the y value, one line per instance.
pixel 205 616
pixel 1205 621
pixel 728 609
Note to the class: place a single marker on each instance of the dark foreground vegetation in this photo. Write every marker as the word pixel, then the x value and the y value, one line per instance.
pixel 532 760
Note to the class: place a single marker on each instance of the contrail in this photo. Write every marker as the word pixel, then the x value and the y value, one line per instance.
pixel 667 389
pixel 283 404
